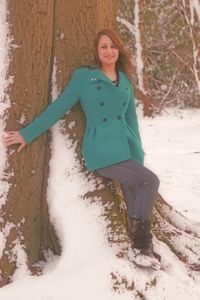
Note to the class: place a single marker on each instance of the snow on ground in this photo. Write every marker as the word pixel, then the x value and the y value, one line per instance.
pixel 83 271
pixel 172 147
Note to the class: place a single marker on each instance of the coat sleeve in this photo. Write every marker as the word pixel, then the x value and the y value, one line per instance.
pixel 131 116
pixel 54 111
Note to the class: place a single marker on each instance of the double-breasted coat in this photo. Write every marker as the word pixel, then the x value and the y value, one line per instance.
pixel 111 134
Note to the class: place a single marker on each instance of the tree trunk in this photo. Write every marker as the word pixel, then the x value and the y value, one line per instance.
pixel 31 28
pixel 193 21
pixel 142 91
pixel 41 30
pixel 69 54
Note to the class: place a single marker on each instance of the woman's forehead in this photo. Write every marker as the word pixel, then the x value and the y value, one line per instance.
pixel 105 39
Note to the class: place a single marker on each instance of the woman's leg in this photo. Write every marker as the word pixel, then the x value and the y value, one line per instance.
pixel 129 195
pixel 139 186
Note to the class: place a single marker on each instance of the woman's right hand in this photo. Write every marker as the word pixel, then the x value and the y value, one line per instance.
pixel 12 138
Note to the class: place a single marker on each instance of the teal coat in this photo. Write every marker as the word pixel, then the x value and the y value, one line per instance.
pixel 111 133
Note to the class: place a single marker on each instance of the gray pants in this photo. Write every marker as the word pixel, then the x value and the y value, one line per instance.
pixel 139 186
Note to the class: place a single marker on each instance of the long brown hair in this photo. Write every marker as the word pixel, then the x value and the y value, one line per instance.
pixel 124 62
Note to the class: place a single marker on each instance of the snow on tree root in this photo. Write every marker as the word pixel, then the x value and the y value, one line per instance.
pixel 184 244
pixel 176 218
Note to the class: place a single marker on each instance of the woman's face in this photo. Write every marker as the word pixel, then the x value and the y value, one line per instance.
pixel 108 53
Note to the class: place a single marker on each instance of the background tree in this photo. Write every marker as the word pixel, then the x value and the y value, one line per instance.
pixel 171 31
pixel 131 24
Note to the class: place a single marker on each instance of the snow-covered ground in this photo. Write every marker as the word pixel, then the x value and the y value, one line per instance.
pixel 172 147
pixel 83 272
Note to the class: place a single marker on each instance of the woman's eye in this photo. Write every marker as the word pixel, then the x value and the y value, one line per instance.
pixel 106 47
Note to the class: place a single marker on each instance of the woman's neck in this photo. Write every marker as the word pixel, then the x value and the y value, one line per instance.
pixel 110 71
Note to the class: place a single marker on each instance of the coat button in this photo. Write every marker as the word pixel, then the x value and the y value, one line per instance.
pixel 102 103
pixel 104 119
pixel 119 117
pixel 124 103
pixel 98 87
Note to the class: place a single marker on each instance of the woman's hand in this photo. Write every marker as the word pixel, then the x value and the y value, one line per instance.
pixel 12 138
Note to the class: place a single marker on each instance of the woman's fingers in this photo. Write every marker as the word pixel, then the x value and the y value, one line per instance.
pixel 11 142
pixel 12 138
pixel 9 139
pixel 11 132
pixel 9 136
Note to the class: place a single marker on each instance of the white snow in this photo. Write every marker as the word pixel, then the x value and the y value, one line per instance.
pixel 84 268
pixel 83 271
pixel 195 4
pixel 172 148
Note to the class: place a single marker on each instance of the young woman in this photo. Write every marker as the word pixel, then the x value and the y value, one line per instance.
pixel 112 144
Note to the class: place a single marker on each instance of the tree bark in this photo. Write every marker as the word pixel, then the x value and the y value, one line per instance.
pixel 31 28
pixel 41 30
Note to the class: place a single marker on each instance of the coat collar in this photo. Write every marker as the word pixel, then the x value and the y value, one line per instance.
pixel 97 74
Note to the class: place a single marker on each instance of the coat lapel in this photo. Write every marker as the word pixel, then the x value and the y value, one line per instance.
pixel 97 74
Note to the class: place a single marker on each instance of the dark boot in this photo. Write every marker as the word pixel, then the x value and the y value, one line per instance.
pixel 141 237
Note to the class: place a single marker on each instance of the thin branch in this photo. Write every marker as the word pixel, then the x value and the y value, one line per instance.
pixel 128 25
pixel 169 90
pixel 182 60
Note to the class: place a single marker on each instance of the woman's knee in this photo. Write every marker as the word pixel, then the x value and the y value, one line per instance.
pixel 155 180
pixel 152 180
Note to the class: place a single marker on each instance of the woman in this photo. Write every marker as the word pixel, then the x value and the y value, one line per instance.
pixel 112 144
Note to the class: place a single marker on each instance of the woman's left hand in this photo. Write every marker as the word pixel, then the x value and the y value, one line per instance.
pixel 12 138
